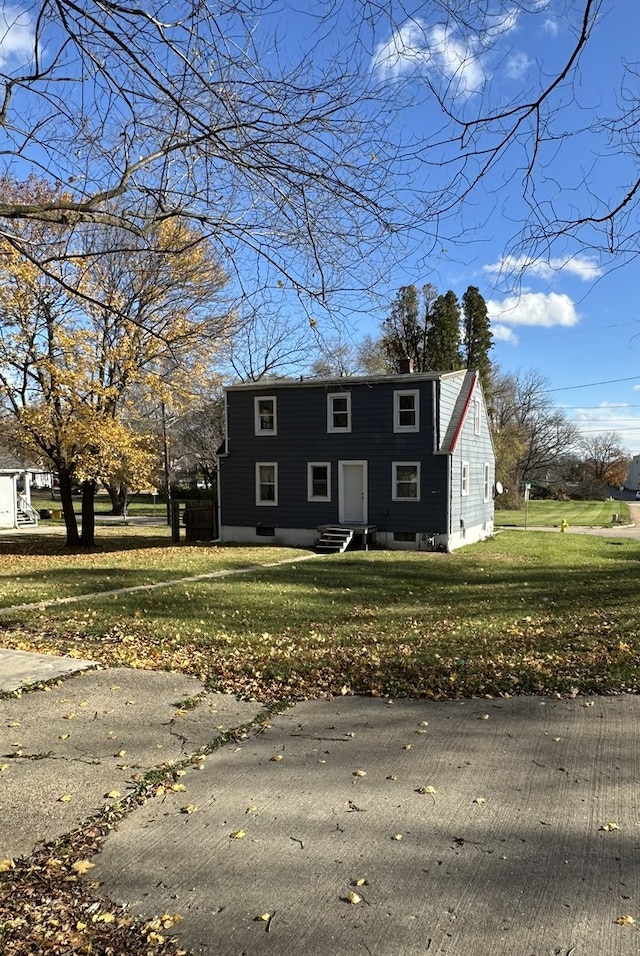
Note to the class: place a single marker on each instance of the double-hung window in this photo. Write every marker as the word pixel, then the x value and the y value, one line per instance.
pixel 406 481
pixel 266 483
pixel 477 416
pixel 406 411
pixel 318 481
pixel 464 478
pixel 486 487
pixel 339 412
pixel 265 415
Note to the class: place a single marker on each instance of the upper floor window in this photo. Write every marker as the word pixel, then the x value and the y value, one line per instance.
pixel 406 411
pixel 265 415
pixel 339 412
pixel 477 416
pixel 406 481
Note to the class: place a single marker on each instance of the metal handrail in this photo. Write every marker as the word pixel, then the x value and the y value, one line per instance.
pixel 25 505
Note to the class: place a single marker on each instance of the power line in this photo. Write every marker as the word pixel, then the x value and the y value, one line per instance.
pixel 611 381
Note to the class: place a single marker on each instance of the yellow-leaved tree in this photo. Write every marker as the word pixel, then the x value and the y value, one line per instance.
pixel 93 343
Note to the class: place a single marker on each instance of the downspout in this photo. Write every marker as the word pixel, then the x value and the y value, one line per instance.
pixel 219 466
pixel 436 437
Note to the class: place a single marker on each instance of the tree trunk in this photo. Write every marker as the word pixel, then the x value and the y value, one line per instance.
pixel 118 496
pixel 66 500
pixel 88 538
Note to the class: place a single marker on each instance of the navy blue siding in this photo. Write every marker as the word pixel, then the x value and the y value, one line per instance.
pixel 302 437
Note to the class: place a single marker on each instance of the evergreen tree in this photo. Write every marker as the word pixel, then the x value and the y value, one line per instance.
pixel 443 335
pixel 477 334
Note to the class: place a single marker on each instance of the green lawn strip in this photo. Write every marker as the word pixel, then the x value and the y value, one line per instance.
pixel 53 572
pixel 577 513
pixel 517 614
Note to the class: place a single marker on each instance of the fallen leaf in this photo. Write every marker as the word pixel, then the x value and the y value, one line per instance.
pixel 177 787
pixel 609 826
pixel 276 758
pixel 6 865
pixel 190 808
pixel 66 798
pixel 237 835
pixel 625 921
pixel 361 881
pixel 104 918
pixel 82 866
pixel 479 800
pixel 251 809
pixel 397 836
pixel 359 773
pixel 263 917
pixel 113 794
pixel 391 776
pixel 430 790
pixel 408 746
pixel 352 897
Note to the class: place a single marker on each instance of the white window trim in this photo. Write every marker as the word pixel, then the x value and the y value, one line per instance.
pixel 397 427
pixel 394 480
pixel 487 482
pixel 256 414
pixel 318 464
pixel 259 501
pixel 477 416
pixel 331 428
pixel 465 473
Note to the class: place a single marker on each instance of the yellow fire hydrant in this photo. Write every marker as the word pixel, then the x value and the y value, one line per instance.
pixel 564 524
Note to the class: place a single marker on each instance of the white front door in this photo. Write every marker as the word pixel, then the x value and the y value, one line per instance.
pixel 352 492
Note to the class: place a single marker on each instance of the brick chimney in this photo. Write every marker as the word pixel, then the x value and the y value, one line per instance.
pixel 405 365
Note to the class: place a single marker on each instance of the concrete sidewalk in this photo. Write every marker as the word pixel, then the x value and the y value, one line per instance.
pixel 469 828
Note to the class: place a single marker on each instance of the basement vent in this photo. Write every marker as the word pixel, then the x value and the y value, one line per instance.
pixel 263 532
pixel 404 536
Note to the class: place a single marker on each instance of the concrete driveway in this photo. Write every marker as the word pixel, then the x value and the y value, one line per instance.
pixel 345 826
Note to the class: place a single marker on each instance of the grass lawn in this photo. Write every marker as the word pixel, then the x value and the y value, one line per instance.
pixel 596 514
pixel 516 614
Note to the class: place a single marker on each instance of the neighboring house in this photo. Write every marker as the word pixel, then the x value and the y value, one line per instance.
pixel 633 478
pixel 15 492
pixel 406 460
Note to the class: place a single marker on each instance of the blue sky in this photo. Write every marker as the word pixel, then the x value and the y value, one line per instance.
pixel 572 314
pixel 569 312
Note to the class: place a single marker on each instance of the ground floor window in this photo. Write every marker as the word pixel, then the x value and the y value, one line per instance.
pixel 487 481
pixel 266 483
pixel 464 478
pixel 406 481
pixel 319 481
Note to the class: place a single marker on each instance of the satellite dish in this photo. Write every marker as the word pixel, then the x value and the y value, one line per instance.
pixel 499 488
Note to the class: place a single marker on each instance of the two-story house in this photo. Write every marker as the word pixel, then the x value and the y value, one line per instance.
pixel 405 460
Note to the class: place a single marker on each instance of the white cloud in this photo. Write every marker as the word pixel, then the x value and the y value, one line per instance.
pixel 437 49
pixel 17 39
pixel 501 333
pixel 584 267
pixel 551 27
pixel 540 309
pixel 517 65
